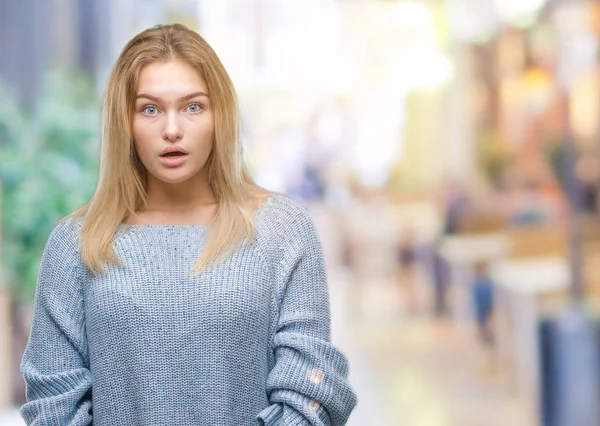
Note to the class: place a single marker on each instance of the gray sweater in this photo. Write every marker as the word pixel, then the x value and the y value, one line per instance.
pixel 244 343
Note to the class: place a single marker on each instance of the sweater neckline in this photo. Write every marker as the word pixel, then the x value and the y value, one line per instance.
pixel 187 227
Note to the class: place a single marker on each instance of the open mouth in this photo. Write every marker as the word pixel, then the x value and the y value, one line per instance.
pixel 173 154
pixel 173 159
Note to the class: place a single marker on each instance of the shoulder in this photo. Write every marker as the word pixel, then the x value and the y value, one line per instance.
pixel 285 225
pixel 60 265
pixel 284 215
pixel 64 236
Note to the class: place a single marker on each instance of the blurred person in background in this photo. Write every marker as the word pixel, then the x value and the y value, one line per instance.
pixel 407 257
pixel 482 300
pixel 454 203
pixel 182 292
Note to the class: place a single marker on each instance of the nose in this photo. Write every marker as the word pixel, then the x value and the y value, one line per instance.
pixel 172 131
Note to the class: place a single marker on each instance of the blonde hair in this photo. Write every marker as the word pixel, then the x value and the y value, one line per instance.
pixel 121 188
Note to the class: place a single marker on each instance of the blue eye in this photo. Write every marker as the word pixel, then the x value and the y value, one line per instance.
pixel 194 108
pixel 150 110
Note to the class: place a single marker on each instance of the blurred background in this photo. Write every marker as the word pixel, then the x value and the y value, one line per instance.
pixel 448 150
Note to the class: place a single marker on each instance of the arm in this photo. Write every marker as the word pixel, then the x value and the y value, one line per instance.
pixel 55 365
pixel 308 383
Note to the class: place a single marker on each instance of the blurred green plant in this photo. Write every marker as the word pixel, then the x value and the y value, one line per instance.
pixel 493 156
pixel 48 168
pixel 555 154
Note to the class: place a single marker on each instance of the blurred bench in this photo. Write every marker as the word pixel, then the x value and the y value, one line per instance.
pixel 591 257
pixel 535 275
pixel 531 271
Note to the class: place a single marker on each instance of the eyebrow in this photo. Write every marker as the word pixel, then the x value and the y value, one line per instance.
pixel 183 98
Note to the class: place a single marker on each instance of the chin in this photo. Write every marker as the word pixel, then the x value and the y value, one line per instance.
pixel 173 176
pixel 172 181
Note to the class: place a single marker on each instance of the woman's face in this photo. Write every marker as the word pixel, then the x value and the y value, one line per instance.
pixel 172 110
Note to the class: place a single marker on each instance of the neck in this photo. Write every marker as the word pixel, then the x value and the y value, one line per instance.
pixel 179 197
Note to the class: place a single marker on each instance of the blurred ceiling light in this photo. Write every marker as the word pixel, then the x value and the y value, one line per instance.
pixel 471 20
pixel 539 89
pixel 410 15
pixel 522 13
pixel 420 67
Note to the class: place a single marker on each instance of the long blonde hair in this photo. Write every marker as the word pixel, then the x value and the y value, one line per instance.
pixel 121 188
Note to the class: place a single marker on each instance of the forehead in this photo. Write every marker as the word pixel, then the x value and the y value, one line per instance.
pixel 168 79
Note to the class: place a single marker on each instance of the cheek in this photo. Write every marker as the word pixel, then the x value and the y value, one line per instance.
pixel 205 127
pixel 142 137
pixel 209 136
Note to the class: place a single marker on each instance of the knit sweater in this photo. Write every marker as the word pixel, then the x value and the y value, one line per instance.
pixel 245 342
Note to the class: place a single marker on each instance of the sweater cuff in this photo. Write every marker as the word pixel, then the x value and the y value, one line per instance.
pixel 270 416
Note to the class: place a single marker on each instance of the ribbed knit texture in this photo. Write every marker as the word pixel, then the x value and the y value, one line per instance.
pixel 246 342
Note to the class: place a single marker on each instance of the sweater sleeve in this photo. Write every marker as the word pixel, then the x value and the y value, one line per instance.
pixel 308 382
pixel 55 364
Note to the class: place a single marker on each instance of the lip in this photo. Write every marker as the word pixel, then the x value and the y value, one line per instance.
pixel 173 161
pixel 173 149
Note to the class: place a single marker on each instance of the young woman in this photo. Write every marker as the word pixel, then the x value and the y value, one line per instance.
pixel 182 293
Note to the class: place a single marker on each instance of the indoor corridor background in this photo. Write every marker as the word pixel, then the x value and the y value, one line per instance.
pixel 448 150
